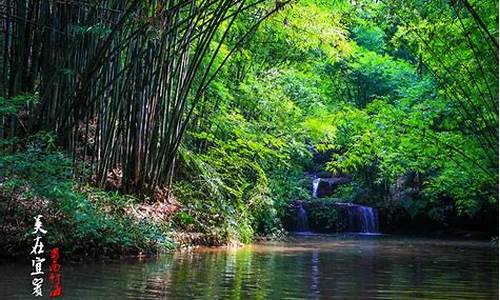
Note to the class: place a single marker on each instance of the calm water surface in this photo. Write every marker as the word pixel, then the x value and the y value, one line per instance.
pixel 304 267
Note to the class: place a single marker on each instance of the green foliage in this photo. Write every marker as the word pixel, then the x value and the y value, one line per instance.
pixel 345 191
pixel 399 120
pixel 401 95
pixel 344 78
pixel 370 37
pixel 80 220
pixel 10 106
pixel 93 220
pixel 323 216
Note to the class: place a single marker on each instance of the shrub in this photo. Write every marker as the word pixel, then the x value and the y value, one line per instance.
pixel 81 220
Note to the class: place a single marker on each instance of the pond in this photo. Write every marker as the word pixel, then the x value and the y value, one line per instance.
pixel 303 267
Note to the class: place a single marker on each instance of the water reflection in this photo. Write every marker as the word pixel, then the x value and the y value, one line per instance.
pixel 307 267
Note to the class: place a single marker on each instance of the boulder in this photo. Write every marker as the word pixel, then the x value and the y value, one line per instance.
pixel 326 186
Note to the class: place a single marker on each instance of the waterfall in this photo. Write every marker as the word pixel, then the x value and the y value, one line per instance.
pixel 356 218
pixel 361 218
pixel 315 187
pixel 302 221
pixel 324 187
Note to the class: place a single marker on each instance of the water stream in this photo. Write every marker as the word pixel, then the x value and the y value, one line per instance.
pixel 315 186
pixel 361 219
pixel 302 220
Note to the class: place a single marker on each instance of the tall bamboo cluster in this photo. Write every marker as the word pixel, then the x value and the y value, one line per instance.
pixel 117 79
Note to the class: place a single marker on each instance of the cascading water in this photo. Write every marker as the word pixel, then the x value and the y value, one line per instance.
pixel 315 187
pixel 324 187
pixel 361 218
pixel 302 221
pixel 354 218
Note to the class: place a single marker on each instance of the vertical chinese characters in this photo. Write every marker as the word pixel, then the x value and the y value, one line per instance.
pixel 55 277
pixel 37 261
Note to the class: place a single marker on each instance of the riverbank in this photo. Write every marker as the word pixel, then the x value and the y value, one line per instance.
pixel 88 223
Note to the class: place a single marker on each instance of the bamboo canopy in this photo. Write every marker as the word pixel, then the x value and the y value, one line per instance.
pixel 117 80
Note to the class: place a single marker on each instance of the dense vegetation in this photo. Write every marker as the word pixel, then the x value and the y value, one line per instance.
pixel 127 122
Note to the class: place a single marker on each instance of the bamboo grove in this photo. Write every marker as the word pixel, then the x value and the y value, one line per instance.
pixel 457 48
pixel 116 80
pixel 141 121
